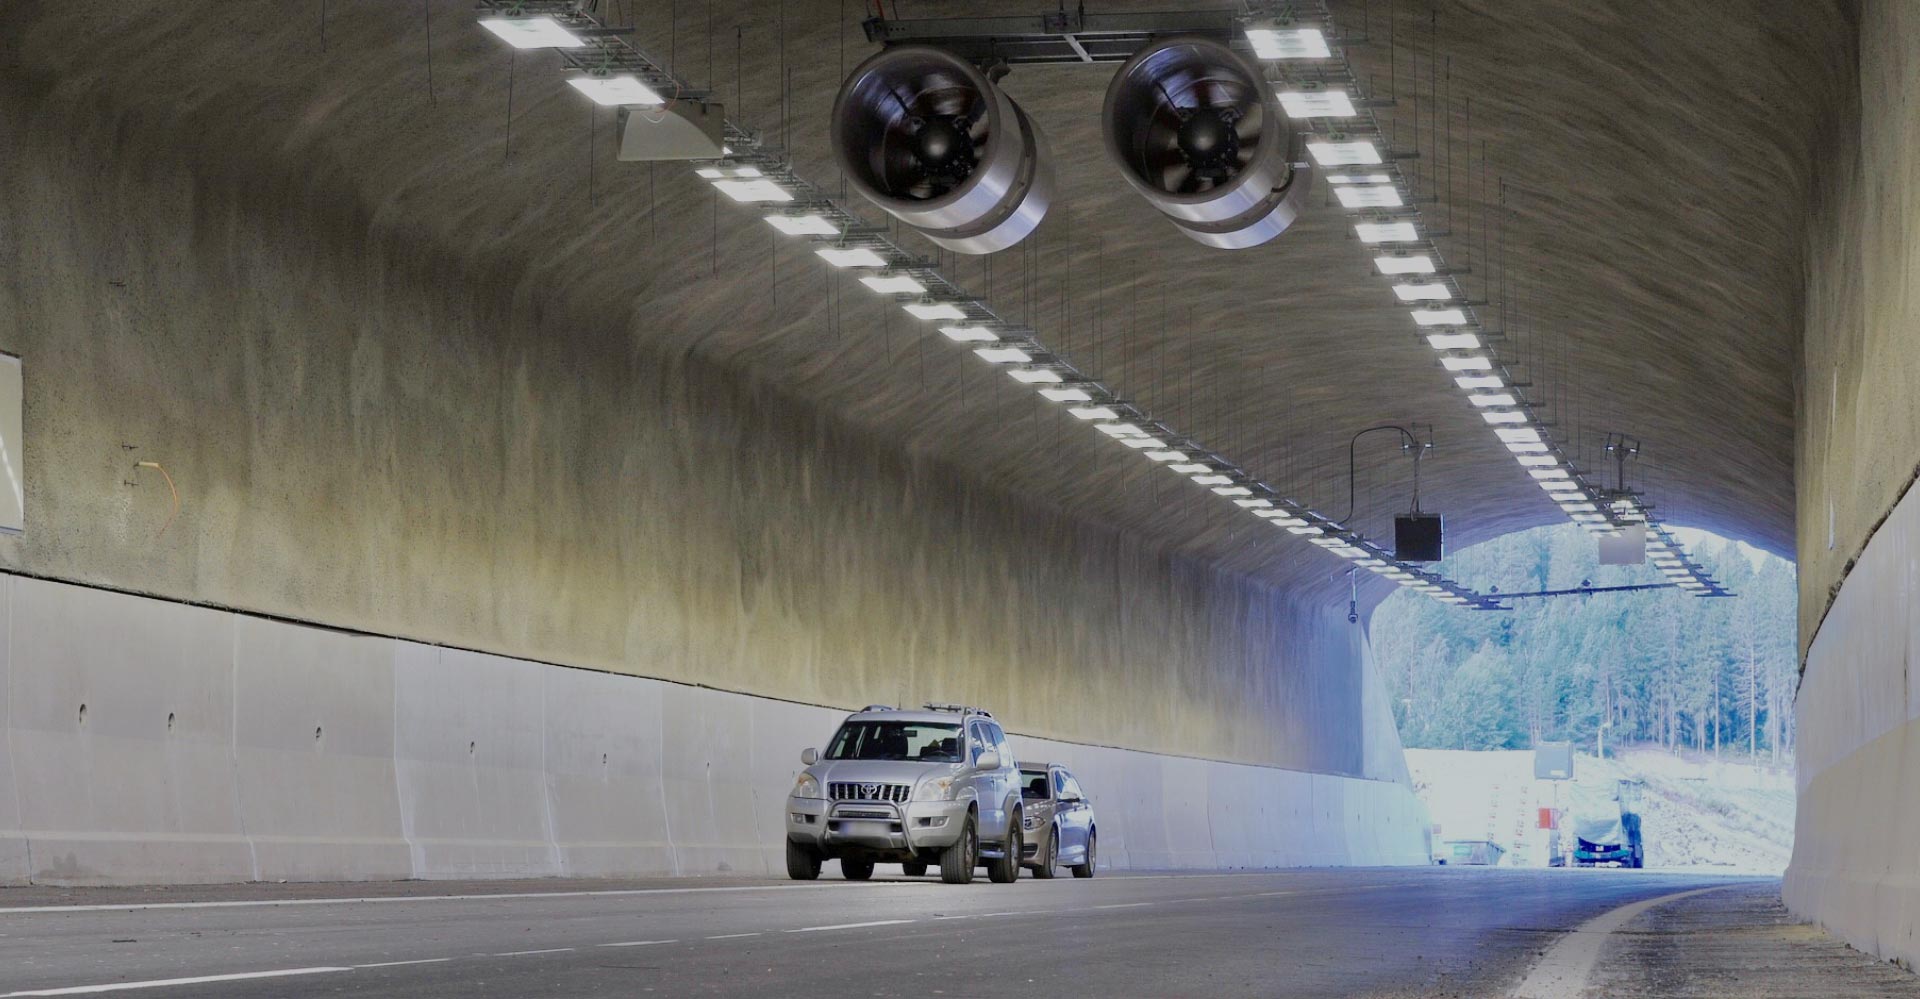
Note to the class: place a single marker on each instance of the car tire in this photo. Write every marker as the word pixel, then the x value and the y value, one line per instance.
pixel 856 869
pixel 958 861
pixel 802 863
pixel 1006 870
pixel 1047 856
pixel 914 868
pixel 1091 862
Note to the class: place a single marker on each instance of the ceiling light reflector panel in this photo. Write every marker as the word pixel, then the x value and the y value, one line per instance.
pixel 532 32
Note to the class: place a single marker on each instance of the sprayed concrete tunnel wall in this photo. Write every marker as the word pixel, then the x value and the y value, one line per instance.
pixel 373 433
pixel 1858 711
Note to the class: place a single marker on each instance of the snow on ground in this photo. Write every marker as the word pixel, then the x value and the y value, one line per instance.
pixel 1697 812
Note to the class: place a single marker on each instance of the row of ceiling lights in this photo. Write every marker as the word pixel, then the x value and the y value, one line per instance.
pixel 1318 89
pixel 753 176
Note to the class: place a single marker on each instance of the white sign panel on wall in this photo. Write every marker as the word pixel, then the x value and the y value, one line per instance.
pixel 13 470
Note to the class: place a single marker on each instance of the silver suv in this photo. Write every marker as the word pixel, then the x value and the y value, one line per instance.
pixel 916 788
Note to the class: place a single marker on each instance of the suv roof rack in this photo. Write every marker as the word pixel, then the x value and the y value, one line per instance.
pixel 878 707
pixel 961 708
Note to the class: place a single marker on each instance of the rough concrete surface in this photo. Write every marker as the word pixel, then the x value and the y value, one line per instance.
pixel 1738 941
pixel 1858 741
pixel 1858 443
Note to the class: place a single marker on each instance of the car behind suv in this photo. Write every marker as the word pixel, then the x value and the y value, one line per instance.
pixel 1059 822
pixel 916 788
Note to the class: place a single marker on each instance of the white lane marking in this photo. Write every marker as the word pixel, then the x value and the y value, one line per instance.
pixel 399 964
pixel 28 910
pixel 1121 905
pixel 640 943
pixel 528 953
pixel 160 983
pixel 733 936
pixel 1563 972
pixel 851 926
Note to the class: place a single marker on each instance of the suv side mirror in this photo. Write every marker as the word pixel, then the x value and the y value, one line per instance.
pixel 809 756
pixel 989 760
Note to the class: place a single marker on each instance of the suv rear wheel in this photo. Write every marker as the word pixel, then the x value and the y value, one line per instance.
pixel 856 869
pixel 802 863
pixel 1006 870
pixel 958 861
pixel 1086 869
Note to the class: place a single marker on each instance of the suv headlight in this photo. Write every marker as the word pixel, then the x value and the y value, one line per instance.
pixel 806 786
pixel 937 789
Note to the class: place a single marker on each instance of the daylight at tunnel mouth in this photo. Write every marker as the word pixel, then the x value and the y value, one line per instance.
pixel 577 497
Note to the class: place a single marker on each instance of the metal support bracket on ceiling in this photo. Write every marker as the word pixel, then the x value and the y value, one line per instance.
pixel 1056 36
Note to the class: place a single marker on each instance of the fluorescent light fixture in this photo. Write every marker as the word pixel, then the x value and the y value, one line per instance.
pixel 1440 317
pixel 1359 178
pixel 1560 486
pixel 752 191
pixel 1304 530
pixel 1288 43
pixel 615 91
pixel 858 256
pixel 1213 480
pixel 1232 491
pixel 1453 341
pixel 1368 196
pixel 1142 443
pixel 936 310
pixel 1331 154
pixel 1003 355
pixel 1317 104
pixel 894 284
pixel 1590 518
pixel 1535 461
pixel 1474 382
pixel 1395 264
pixel 532 32
pixel 718 173
pixel 1545 474
pixel 980 334
pixel 803 225
pixel 1167 455
pixel 1527 448
pixel 1387 232
pixel 1094 413
pixel 1470 363
pixel 1120 430
pixel 1503 416
pixel 1284 521
pixel 1435 292
pixel 1572 506
pixel 1349 552
pixel 1326 542
pixel 1494 399
pixel 1035 376
pixel 1066 395
pixel 1253 504
pixel 1191 468
pixel 1519 435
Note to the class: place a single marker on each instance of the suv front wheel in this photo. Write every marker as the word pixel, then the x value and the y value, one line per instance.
pixel 802 863
pixel 1006 870
pixel 958 861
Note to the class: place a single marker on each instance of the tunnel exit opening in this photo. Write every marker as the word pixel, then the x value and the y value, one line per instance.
pixel 1687 700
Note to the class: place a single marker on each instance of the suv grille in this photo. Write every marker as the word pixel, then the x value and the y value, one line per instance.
pixel 864 791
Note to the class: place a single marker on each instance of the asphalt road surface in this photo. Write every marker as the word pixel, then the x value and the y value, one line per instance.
pixel 1384 933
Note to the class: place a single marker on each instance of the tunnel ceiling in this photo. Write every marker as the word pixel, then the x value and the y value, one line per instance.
pixel 1655 167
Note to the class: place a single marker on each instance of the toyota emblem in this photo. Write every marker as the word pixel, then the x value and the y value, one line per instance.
pixel 872 790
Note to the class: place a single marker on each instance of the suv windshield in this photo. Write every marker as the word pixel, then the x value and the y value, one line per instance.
pixel 928 742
